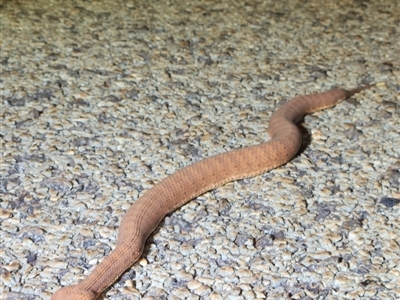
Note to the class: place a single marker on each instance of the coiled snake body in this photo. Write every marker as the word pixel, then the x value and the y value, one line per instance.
pixel 172 192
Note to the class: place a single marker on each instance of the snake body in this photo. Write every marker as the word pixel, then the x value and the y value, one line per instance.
pixel 189 182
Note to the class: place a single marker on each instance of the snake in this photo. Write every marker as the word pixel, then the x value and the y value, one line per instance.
pixel 145 214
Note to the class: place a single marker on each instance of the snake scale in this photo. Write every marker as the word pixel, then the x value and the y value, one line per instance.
pixel 191 181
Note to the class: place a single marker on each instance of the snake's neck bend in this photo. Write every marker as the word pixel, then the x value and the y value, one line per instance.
pixel 172 192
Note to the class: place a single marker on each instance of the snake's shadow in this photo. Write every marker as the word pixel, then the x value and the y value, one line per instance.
pixel 306 138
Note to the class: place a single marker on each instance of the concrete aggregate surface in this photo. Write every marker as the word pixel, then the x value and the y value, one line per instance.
pixel 100 100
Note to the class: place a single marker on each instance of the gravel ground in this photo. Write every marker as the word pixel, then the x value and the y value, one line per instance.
pixel 101 100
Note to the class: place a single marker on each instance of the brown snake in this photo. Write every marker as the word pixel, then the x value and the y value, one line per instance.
pixel 172 192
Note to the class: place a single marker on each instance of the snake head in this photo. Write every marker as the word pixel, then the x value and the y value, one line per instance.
pixel 73 292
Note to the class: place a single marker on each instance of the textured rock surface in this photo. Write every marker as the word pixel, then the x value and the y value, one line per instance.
pixel 100 101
